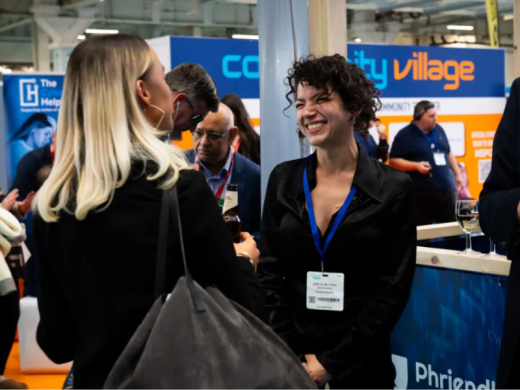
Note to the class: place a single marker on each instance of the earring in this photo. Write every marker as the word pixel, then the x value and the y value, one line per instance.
pixel 354 121
pixel 162 116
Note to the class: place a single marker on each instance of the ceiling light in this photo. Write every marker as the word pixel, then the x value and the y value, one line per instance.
pixel 243 36
pixel 81 37
pixel 357 40
pixel 509 17
pixel 462 28
pixel 100 31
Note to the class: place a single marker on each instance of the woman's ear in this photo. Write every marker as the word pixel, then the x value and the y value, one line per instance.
pixel 142 93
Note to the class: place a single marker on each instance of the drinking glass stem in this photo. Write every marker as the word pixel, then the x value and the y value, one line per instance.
pixel 468 242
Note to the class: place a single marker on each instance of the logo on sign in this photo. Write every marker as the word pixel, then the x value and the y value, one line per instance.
pixel 401 372
pixel 235 66
pixel 423 69
pixel 378 73
pixel 29 96
pixel 419 67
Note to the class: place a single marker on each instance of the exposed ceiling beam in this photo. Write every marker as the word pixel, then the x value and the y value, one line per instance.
pixel 176 24
pixel 80 4
pixel 394 6
pixel 15 14
pixel 19 23
pixel 451 7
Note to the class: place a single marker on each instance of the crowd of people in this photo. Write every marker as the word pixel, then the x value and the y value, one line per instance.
pixel 99 185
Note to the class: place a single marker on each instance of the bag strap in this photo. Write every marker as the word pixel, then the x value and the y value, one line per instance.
pixel 162 246
pixel 177 227
pixel 170 210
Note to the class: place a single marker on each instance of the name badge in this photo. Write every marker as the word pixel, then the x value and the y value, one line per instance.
pixel 325 291
pixel 440 159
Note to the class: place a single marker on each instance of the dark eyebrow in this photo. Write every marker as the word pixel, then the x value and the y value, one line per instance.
pixel 316 95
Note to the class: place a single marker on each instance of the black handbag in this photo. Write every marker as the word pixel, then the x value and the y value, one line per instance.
pixel 197 338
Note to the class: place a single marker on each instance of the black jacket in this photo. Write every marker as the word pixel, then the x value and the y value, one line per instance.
pixel 498 217
pixel 374 247
pixel 380 150
pixel 96 277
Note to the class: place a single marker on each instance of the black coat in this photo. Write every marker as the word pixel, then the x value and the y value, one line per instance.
pixel 374 247
pixel 97 276
pixel 498 217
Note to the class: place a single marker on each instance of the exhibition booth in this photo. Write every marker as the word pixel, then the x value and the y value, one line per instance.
pixel 449 335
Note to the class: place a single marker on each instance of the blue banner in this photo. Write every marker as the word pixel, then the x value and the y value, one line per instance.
pixel 32 102
pixel 418 71
pixel 398 71
pixel 450 332
pixel 233 63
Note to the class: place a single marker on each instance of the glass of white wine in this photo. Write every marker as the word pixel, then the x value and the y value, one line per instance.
pixel 467 217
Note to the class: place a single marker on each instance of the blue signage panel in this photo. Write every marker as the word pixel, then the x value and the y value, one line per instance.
pixel 450 332
pixel 398 71
pixel 32 103
pixel 233 63
pixel 418 71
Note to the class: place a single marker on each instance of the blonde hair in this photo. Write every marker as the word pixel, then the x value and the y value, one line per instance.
pixel 102 130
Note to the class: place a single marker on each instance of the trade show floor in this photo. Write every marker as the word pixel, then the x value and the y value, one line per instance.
pixel 14 372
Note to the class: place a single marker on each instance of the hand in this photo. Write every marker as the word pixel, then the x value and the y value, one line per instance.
pixel 25 206
pixel 460 182
pixel 381 130
pixel 248 245
pixel 10 200
pixel 424 167
pixel 319 375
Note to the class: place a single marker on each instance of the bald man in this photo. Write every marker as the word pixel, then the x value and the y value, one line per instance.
pixel 214 156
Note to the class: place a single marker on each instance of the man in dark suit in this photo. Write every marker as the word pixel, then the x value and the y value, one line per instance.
pixel 213 155
pixel 500 220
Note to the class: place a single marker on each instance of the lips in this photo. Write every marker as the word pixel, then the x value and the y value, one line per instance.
pixel 315 127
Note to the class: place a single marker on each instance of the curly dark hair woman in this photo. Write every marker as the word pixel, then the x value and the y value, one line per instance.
pixel 338 238
pixel 248 137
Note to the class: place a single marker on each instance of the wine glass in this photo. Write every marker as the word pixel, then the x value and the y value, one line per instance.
pixel 467 217
pixel 493 252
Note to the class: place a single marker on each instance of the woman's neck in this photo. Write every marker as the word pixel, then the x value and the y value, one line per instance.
pixel 338 158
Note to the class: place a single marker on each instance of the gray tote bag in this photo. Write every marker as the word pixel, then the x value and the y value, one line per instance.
pixel 196 338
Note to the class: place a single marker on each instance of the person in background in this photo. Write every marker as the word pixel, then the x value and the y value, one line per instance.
pixel 35 133
pixel 422 150
pixel 500 220
pixel 10 303
pixel 193 94
pixel 322 217
pixel 463 191
pixel 248 141
pixel 26 182
pixel 97 215
pixel 221 164
pixel 365 140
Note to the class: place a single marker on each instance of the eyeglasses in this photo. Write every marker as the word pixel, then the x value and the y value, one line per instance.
pixel 212 135
pixel 196 118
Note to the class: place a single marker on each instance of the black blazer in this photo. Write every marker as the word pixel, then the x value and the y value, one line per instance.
pixel 96 277
pixel 374 247
pixel 246 174
pixel 498 217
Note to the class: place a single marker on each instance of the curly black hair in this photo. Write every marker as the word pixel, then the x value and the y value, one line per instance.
pixel 356 90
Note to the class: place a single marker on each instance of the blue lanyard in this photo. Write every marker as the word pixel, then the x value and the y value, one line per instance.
pixel 367 143
pixel 312 217
pixel 435 144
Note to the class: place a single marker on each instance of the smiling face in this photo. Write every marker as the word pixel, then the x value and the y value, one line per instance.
pixel 321 116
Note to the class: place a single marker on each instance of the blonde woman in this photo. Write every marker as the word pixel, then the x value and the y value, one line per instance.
pixel 97 225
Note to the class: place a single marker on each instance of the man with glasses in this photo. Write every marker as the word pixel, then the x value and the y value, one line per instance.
pixel 221 164
pixel 193 95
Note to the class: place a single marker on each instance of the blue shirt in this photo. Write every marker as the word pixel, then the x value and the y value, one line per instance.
pixel 410 144
pixel 216 181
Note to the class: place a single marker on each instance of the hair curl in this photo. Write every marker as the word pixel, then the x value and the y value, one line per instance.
pixel 357 92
